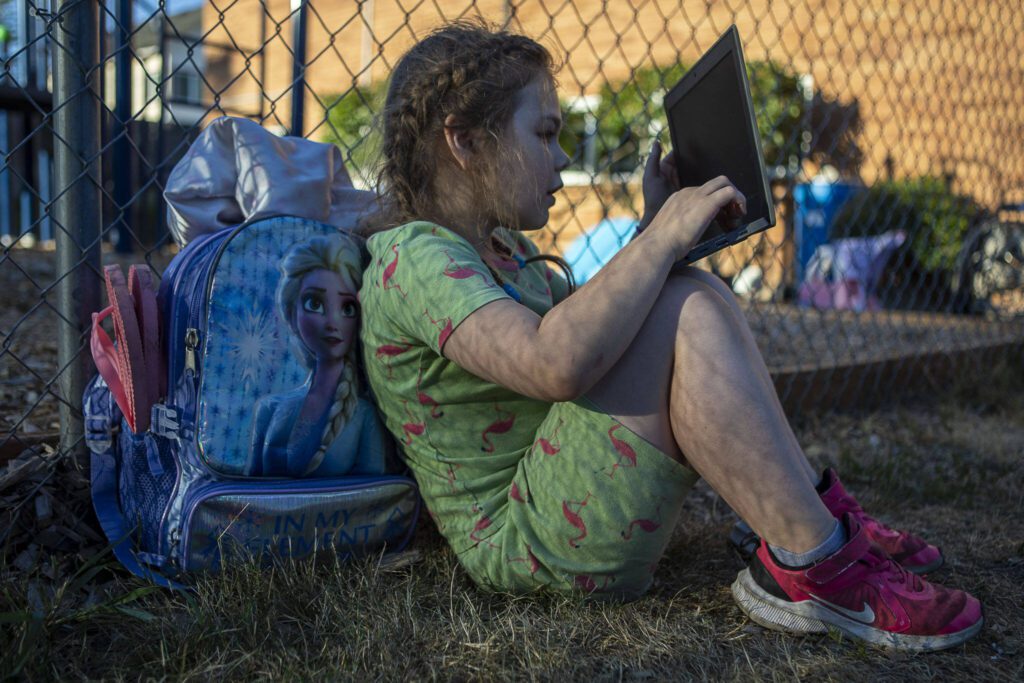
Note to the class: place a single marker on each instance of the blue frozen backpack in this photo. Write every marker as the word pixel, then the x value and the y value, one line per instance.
pixel 267 442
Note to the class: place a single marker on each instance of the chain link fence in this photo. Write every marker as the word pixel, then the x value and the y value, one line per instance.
pixel 893 133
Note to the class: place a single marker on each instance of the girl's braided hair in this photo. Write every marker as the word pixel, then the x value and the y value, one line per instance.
pixel 466 70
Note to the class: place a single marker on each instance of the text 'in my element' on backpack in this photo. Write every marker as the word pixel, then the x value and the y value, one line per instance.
pixel 267 442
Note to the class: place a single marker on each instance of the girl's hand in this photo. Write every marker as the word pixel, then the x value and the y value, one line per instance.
pixel 687 213
pixel 661 181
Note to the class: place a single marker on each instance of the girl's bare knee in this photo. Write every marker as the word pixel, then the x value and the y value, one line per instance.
pixel 711 280
pixel 690 283
pixel 687 271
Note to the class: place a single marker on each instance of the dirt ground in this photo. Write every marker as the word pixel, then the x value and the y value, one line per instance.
pixel 951 469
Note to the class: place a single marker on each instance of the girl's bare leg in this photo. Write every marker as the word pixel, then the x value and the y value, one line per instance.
pixel 694 382
pixel 727 295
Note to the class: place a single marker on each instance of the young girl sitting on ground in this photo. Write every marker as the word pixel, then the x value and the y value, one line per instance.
pixel 553 436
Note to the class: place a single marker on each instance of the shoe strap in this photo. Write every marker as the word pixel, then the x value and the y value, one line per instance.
pixel 858 545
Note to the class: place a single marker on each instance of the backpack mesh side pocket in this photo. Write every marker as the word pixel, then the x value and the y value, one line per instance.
pixel 146 482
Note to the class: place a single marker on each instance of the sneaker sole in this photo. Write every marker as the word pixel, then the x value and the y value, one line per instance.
pixel 807 617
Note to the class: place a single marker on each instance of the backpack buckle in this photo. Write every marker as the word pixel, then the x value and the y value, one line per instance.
pixel 99 435
pixel 164 421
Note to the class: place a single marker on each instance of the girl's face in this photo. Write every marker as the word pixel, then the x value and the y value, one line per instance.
pixel 533 136
pixel 327 315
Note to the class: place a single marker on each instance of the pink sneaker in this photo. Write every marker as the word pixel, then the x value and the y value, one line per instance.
pixel 913 553
pixel 860 591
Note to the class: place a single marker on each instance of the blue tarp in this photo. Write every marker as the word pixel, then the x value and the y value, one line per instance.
pixel 596 246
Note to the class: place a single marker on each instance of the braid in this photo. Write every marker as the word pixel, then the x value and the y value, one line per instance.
pixel 341 410
pixel 466 70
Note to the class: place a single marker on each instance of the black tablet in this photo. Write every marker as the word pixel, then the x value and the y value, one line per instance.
pixel 713 130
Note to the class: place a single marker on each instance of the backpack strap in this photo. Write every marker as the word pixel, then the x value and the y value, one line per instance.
pixel 131 366
pixel 104 354
pixel 103 471
pixel 143 293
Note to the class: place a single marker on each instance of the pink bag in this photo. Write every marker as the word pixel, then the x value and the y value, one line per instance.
pixel 132 367
pixel 842 295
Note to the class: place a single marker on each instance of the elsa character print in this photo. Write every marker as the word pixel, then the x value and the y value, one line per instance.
pixel 322 427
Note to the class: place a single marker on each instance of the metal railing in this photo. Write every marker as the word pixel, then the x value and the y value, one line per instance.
pixel 888 128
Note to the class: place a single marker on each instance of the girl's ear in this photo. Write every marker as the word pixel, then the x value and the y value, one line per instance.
pixel 461 141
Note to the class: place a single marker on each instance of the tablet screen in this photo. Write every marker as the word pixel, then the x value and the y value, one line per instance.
pixel 713 133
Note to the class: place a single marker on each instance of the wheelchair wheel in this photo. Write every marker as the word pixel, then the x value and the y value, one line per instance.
pixel 990 271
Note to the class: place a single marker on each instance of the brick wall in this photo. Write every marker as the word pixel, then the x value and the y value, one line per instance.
pixel 937 84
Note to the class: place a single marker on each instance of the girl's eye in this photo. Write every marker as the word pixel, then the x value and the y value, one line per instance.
pixel 312 304
pixel 349 309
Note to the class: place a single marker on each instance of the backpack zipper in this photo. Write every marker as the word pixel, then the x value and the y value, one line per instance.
pixel 191 344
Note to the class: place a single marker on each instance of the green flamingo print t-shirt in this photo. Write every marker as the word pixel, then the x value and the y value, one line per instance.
pixel 463 436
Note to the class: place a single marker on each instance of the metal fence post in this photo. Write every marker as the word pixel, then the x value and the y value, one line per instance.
pixel 299 20
pixel 122 166
pixel 76 207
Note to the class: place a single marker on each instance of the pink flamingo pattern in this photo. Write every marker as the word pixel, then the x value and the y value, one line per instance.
pixel 482 524
pixel 411 428
pixel 552 446
pixel 548 275
pixel 388 281
pixel 574 517
pixel 444 324
pixel 387 353
pixel 626 457
pixel 502 425
pixel 457 272
pixel 515 494
pixel 451 478
pixel 412 385
pixel 426 400
pixel 530 560
pixel 647 525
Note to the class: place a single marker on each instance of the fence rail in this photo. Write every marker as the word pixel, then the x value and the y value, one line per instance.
pixel 892 131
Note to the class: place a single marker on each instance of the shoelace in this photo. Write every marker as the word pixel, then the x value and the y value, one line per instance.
pixel 878 561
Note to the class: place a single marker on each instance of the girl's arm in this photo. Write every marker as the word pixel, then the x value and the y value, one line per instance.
pixel 560 356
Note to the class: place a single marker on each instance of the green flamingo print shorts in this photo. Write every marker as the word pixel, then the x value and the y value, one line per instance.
pixel 591 508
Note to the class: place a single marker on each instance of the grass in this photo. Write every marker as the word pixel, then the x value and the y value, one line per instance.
pixel 951 469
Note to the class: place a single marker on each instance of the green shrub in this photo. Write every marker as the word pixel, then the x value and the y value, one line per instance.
pixel 350 124
pixel 632 111
pixel 779 110
pixel 628 113
pixel 934 219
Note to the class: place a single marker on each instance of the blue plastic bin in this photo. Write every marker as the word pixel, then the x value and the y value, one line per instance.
pixel 817 204
pixel 596 246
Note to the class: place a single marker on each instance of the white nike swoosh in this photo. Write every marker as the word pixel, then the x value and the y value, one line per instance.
pixel 864 616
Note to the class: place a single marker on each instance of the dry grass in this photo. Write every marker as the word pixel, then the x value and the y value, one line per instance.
pixel 951 469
